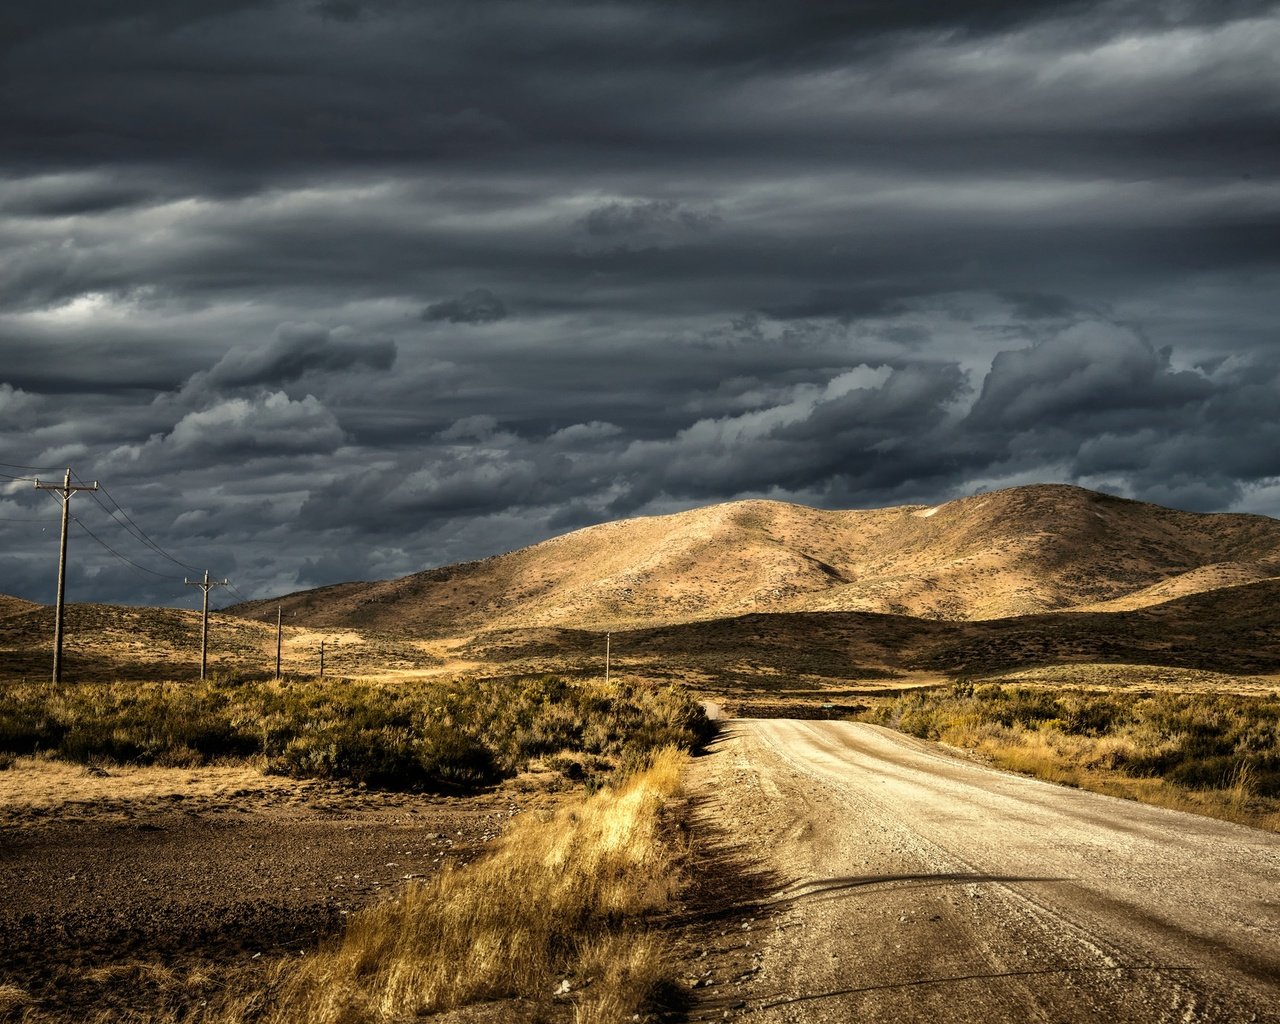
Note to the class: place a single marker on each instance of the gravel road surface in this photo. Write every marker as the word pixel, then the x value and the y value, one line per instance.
pixel 919 886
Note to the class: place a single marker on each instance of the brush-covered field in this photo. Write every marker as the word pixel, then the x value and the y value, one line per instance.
pixel 411 847
pixel 1210 752
pixel 420 735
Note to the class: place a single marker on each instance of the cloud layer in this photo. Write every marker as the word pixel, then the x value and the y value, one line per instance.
pixel 348 288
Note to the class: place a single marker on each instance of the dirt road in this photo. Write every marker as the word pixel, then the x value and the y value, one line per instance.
pixel 918 886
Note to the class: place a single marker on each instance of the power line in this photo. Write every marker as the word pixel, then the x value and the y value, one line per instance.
pixel 129 525
pixel 62 494
pixel 38 469
pixel 108 547
pixel 130 561
pixel 137 532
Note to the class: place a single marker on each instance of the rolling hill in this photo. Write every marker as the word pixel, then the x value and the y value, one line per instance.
pixel 1234 630
pixel 105 642
pixel 1025 578
pixel 10 606
pixel 1017 552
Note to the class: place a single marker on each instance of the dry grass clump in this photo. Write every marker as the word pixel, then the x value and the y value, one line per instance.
pixel 556 912
pixel 130 991
pixel 1215 754
pixel 1146 678
pixel 13 999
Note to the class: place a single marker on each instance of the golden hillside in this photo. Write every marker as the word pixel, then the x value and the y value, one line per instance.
pixel 1015 552
pixel 10 606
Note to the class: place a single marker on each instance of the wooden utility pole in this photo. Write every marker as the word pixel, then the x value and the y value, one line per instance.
pixel 63 491
pixel 321 659
pixel 608 638
pixel 205 585
pixel 278 633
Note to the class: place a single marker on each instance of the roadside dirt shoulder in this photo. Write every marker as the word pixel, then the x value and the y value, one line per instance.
pixel 135 888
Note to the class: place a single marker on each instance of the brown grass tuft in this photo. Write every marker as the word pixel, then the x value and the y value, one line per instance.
pixel 13 999
pixel 558 910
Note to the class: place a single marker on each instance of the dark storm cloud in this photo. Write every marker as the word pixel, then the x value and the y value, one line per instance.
pixel 824 438
pixel 1089 370
pixel 72 195
pixel 280 85
pixel 652 217
pixel 330 288
pixel 294 350
pixel 478 306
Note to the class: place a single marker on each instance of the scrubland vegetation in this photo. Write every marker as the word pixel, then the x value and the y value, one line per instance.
pixel 555 915
pixel 1217 754
pixel 557 921
pixel 404 735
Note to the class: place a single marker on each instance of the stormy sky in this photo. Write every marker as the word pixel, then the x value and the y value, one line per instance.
pixel 343 289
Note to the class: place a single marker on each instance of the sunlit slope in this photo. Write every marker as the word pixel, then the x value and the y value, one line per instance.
pixel 1013 552
pixel 10 606
pixel 119 642
pixel 1201 580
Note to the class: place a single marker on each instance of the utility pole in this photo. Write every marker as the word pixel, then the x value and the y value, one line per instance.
pixel 278 613
pixel 64 491
pixel 322 659
pixel 608 638
pixel 205 585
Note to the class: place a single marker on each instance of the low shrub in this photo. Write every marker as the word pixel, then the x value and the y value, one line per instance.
pixel 460 733
pixel 1196 741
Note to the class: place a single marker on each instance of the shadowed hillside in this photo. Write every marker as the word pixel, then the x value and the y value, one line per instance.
pixel 1013 552
pixel 1234 630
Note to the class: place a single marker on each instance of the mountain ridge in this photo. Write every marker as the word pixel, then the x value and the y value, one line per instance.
pixel 1019 551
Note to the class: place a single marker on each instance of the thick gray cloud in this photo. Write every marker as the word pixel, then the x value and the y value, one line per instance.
pixel 293 351
pixel 646 223
pixel 1090 370
pixel 478 306
pixel 347 288
pixel 271 423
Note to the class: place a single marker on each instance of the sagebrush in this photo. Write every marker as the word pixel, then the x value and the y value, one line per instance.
pixel 1218 753
pixel 421 735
